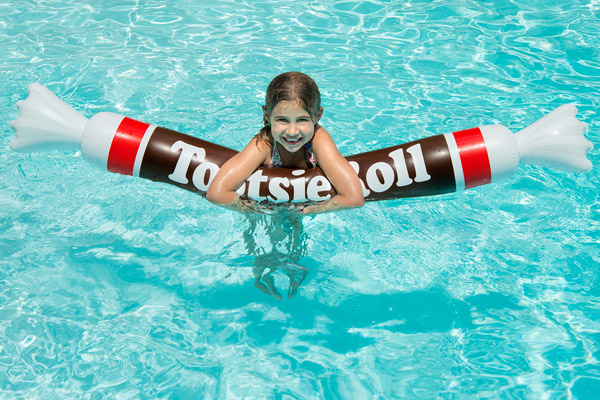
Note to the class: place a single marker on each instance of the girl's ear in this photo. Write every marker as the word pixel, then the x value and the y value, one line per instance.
pixel 265 114
pixel 319 115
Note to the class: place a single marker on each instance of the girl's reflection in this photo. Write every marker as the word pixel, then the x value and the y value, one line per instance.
pixel 285 244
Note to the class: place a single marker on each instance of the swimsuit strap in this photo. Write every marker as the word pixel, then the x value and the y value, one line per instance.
pixel 308 154
pixel 275 157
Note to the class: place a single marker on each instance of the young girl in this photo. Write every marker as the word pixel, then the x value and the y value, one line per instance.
pixel 291 138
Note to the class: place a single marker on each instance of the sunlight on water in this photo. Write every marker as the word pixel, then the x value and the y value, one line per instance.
pixel 116 287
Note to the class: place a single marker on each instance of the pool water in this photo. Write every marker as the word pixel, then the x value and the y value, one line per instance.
pixel 117 287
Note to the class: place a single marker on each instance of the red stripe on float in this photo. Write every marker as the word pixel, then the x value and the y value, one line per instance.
pixel 474 157
pixel 125 145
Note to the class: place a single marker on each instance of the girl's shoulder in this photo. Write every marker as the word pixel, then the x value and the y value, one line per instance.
pixel 321 138
pixel 262 146
pixel 320 129
pixel 325 149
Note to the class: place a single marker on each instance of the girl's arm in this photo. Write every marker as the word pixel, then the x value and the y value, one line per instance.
pixel 339 172
pixel 233 173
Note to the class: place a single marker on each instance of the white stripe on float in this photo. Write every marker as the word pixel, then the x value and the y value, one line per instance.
pixel 459 176
pixel 142 150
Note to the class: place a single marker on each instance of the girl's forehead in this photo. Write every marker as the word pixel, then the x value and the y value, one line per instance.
pixel 287 107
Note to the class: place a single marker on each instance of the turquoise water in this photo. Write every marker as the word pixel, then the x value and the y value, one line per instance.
pixel 116 287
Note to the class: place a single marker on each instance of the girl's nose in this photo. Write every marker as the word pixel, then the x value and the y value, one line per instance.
pixel 292 129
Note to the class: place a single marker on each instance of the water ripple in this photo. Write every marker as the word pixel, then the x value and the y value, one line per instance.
pixel 113 286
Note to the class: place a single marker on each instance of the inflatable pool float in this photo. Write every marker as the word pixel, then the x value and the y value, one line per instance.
pixel 432 165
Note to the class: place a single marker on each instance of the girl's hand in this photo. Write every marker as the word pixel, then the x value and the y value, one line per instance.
pixel 323 207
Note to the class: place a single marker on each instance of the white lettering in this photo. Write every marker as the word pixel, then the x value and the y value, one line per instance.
pixel 318 184
pixel 278 193
pixel 185 158
pixel 254 182
pixel 199 177
pixel 387 174
pixel 420 169
pixel 401 168
pixel 298 185
pixel 379 177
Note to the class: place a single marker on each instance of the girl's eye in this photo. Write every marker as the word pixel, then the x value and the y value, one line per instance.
pixel 285 120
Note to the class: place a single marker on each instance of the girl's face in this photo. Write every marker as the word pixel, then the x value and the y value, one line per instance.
pixel 291 125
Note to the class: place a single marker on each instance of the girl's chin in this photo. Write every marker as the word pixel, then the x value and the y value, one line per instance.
pixel 293 149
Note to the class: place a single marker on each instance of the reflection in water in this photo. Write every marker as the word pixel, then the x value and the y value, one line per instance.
pixel 285 243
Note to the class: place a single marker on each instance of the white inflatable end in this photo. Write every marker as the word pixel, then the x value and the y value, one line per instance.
pixel 45 122
pixel 556 141
pixel 503 151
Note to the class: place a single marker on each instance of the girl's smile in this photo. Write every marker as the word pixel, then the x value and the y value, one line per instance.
pixel 291 125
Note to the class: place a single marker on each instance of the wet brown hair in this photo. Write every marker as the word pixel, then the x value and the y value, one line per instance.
pixel 290 86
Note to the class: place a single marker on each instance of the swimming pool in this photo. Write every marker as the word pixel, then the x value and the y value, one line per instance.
pixel 123 288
